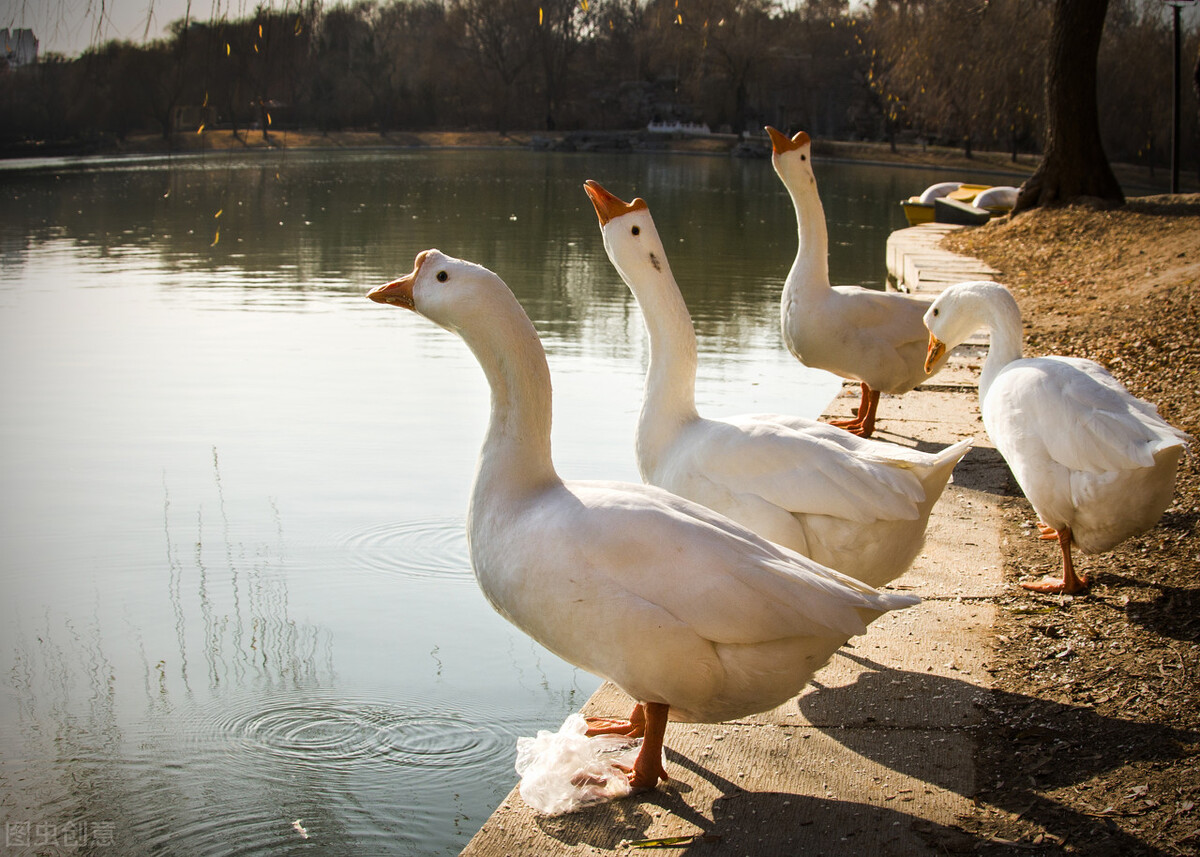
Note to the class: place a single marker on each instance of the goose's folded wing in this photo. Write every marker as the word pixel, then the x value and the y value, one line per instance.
pixel 868 448
pixel 810 475
pixel 725 583
pixel 1140 409
pixel 893 317
pixel 1079 413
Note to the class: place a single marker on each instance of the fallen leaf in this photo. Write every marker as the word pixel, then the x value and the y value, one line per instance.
pixel 671 841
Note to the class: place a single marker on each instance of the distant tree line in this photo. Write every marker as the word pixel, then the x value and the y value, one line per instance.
pixel 968 73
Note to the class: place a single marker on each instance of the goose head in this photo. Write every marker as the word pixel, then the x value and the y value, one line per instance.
pixel 630 237
pixel 446 290
pixel 964 308
pixel 792 157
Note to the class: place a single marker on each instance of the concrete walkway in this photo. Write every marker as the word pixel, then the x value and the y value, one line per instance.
pixel 876 755
pixel 917 264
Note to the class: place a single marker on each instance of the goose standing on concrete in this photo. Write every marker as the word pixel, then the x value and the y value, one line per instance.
pixel 1097 464
pixel 869 336
pixel 694 616
pixel 859 506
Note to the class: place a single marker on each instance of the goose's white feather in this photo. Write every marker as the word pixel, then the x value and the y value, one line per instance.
pixel 671 601
pixel 858 505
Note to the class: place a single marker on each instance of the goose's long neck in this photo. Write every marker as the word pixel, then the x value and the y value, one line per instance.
pixel 670 396
pixel 1004 322
pixel 516 449
pixel 810 271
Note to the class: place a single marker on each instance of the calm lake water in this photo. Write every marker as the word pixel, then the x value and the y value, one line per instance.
pixel 234 585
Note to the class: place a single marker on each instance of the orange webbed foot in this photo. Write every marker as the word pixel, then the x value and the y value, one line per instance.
pixel 848 425
pixel 608 726
pixel 644 778
pixel 1070 582
pixel 1056 586
pixel 855 426
pixel 863 419
pixel 634 727
pixel 863 423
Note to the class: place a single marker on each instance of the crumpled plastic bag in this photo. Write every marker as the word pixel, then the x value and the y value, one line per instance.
pixel 565 771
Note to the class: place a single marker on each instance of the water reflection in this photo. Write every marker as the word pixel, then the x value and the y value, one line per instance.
pixel 238 596
pixel 312 222
pixel 100 699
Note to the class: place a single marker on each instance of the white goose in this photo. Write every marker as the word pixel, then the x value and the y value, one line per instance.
pixel 873 337
pixel 859 506
pixel 694 616
pixel 1097 464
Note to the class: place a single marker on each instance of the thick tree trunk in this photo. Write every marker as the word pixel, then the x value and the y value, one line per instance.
pixel 1073 163
pixel 1196 76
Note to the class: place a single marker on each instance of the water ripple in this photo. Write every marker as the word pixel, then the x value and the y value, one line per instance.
pixel 358 772
pixel 432 548
pixel 361 736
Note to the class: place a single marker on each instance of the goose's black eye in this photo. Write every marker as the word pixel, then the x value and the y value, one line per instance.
pixel 636 230
pixel 804 157
pixel 442 276
pixel 935 312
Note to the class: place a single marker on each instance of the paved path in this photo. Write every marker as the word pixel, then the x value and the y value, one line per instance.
pixel 916 264
pixel 876 755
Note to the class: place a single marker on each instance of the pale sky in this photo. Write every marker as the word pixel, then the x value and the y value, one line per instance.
pixel 72 26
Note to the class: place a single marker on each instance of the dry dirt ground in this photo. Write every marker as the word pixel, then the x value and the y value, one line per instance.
pixel 1091 742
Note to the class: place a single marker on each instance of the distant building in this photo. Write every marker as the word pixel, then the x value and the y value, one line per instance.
pixel 20 47
pixel 693 129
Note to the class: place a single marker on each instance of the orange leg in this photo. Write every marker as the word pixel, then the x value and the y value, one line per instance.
pixel 1070 583
pixel 634 727
pixel 863 424
pixel 648 767
pixel 868 421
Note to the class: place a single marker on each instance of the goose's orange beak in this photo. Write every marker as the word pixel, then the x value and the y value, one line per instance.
pixel 780 142
pixel 936 349
pixel 609 206
pixel 399 292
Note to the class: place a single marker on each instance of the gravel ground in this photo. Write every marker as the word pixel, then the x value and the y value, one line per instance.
pixel 1092 737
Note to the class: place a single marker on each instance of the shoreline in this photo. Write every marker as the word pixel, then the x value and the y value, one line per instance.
pixel 1135 179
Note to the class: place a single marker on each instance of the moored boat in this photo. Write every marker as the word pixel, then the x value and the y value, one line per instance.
pixel 967 203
